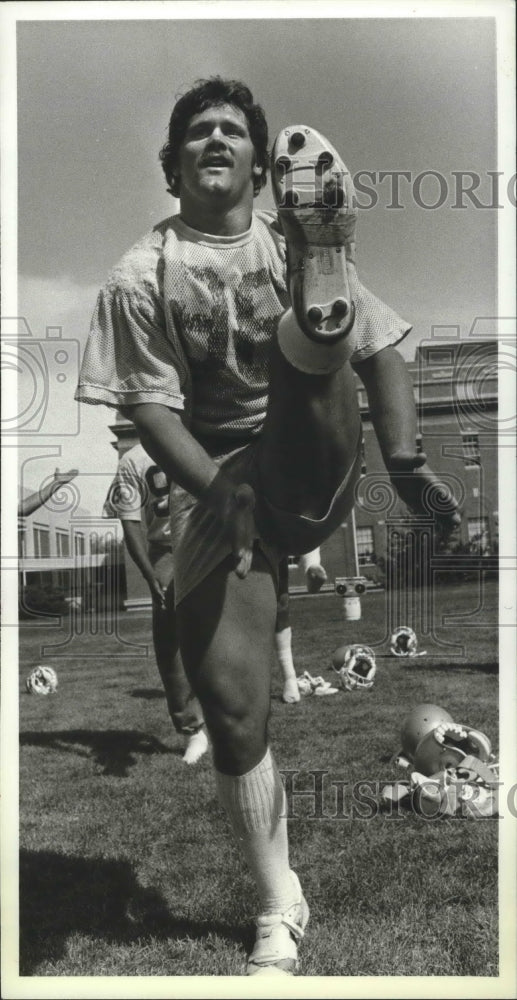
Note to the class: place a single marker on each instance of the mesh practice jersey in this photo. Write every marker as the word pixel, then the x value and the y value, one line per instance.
pixel 139 492
pixel 186 319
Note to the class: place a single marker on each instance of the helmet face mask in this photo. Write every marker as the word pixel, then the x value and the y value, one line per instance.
pixel 431 756
pixel 448 746
pixel 403 642
pixel 356 666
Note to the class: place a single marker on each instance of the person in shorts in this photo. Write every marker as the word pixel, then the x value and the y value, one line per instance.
pixel 139 498
pixel 230 337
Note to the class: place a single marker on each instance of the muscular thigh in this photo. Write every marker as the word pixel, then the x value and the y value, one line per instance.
pixel 226 628
pixel 163 565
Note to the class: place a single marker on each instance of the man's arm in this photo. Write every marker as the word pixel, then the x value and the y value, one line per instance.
pixel 393 413
pixel 135 542
pixel 184 461
pixel 35 500
pixel 392 407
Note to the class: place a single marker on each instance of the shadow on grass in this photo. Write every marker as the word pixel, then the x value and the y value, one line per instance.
pixel 148 693
pixel 114 750
pixel 449 666
pixel 61 896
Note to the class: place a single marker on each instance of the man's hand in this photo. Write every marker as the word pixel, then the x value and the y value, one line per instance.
pixel 60 478
pixel 157 592
pixel 239 522
pixel 234 506
pixel 186 463
pixel 424 493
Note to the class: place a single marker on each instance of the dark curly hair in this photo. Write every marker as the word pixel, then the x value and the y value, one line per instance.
pixel 206 94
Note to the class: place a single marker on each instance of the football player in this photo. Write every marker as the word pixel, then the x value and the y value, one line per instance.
pixel 234 360
pixel 315 576
pixel 140 488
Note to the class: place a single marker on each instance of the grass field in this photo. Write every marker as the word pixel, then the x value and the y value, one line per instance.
pixel 127 867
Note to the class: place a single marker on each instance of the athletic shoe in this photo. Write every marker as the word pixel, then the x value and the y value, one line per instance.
pixel 304 683
pixel 321 687
pixel 278 937
pixel 315 198
pixel 307 684
pixel 197 745
pixel 315 577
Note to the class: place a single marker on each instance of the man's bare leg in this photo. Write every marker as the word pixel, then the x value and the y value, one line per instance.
pixel 226 633
pixel 310 437
pixel 184 708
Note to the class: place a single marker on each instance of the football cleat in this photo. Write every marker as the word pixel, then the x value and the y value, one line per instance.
pixel 307 684
pixel 404 642
pixel 321 687
pixel 356 666
pixel 304 684
pixel 278 937
pixel 42 680
pixel 421 720
pixel 315 198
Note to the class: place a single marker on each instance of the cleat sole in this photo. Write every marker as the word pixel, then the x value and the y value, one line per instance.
pixel 314 195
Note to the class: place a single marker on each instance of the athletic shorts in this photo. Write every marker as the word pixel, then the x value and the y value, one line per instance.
pixel 198 539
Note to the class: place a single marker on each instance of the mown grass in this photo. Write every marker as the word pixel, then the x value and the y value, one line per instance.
pixel 126 864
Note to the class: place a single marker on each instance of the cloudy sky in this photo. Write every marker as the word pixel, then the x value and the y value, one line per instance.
pixel 402 94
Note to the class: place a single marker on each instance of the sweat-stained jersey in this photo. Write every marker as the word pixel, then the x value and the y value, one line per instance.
pixel 186 319
pixel 140 492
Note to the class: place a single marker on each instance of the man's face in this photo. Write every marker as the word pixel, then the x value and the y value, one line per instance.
pixel 217 156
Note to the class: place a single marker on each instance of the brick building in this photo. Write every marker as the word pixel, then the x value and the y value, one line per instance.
pixel 456 394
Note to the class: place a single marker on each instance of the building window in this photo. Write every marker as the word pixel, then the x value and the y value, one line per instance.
pixel 365 546
pixel 21 541
pixel 419 448
pixel 363 457
pixel 63 544
pixel 41 541
pixel 79 544
pixel 479 537
pixel 471 453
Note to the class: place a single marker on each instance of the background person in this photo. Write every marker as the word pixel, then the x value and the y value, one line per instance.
pixel 315 576
pixel 35 500
pixel 140 487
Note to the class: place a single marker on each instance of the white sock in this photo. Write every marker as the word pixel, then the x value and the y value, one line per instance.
pixel 315 574
pixel 310 559
pixel 197 745
pixel 307 355
pixel 284 652
pixel 256 807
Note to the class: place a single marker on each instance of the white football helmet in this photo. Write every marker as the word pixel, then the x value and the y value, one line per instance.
pixel 448 746
pixel 42 680
pixel 355 665
pixel 404 642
